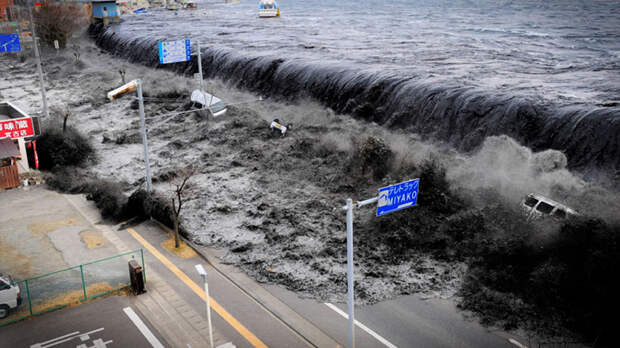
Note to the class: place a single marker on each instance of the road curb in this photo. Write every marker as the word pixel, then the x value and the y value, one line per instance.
pixel 307 331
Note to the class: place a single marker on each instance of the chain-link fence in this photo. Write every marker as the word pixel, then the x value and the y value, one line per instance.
pixel 20 299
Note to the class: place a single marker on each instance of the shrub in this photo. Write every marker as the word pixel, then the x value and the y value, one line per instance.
pixel 372 155
pixel 56 149
pixel 145 205
pixel 66 179
pixel 108 197
pixel 56 21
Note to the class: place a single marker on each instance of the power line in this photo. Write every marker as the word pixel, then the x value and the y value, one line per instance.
pixel 195 110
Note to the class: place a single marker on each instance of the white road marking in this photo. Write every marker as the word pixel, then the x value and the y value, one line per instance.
pixel 362 326
pixel 143 329
pixel 55 339
pixel 65 338
pixel 516 343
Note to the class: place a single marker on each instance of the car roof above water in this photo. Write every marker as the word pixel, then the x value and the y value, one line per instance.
pixel 548 206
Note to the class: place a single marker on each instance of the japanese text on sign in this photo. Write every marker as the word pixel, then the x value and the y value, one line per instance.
pixel 16 128
pixel 397 197
pixel 174 51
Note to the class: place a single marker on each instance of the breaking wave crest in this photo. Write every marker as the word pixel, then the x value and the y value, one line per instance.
pixel 460 115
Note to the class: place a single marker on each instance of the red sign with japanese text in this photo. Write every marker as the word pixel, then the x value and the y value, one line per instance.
pixel 16 128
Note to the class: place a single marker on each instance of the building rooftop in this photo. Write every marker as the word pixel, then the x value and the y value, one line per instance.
pixel 9 111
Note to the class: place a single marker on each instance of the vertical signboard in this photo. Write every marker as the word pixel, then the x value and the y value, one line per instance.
pixel 174 51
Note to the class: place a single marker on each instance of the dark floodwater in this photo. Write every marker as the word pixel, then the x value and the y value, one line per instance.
pixel 544 72
pixel 564 50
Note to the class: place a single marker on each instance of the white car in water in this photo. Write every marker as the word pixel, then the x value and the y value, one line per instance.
pixel 208 101
pixel 10 295
pixel 538 206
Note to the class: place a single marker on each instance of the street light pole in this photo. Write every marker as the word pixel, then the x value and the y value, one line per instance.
pixel 144 140
pixel 38 59
pixel 203 274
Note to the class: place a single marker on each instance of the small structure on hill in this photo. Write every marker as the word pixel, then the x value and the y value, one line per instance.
pixel 105 11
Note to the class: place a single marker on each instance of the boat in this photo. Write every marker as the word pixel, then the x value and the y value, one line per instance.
pixel 268 9
pixel 215 105
pixel 188 4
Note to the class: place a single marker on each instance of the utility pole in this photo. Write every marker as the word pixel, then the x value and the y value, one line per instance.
pixel 38 59
pixel 144 141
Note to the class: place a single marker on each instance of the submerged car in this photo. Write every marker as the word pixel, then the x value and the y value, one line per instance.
pixel 215 105
pixel 538 206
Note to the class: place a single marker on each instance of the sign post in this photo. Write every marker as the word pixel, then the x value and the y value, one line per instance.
pixel 390 199
pixel 201 77
pixel 200 67
pixel 350 280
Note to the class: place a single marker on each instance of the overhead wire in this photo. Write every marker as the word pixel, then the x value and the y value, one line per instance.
pixel 194 110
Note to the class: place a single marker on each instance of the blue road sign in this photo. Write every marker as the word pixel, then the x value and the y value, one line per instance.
pixel 174 51
pixel 9 43
pixel 397 197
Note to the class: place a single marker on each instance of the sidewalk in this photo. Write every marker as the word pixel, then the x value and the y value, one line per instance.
pixel 167 312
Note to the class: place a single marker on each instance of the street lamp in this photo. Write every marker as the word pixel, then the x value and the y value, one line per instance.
pixel 203 274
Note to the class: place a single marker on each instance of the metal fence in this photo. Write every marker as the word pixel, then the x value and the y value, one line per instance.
pixel 73 285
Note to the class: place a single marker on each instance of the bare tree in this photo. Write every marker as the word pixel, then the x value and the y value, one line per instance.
pixel 177 200
pixel 58 21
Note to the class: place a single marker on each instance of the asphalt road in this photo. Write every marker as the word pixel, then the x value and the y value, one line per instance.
pixel 407 321
pixel 103 319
